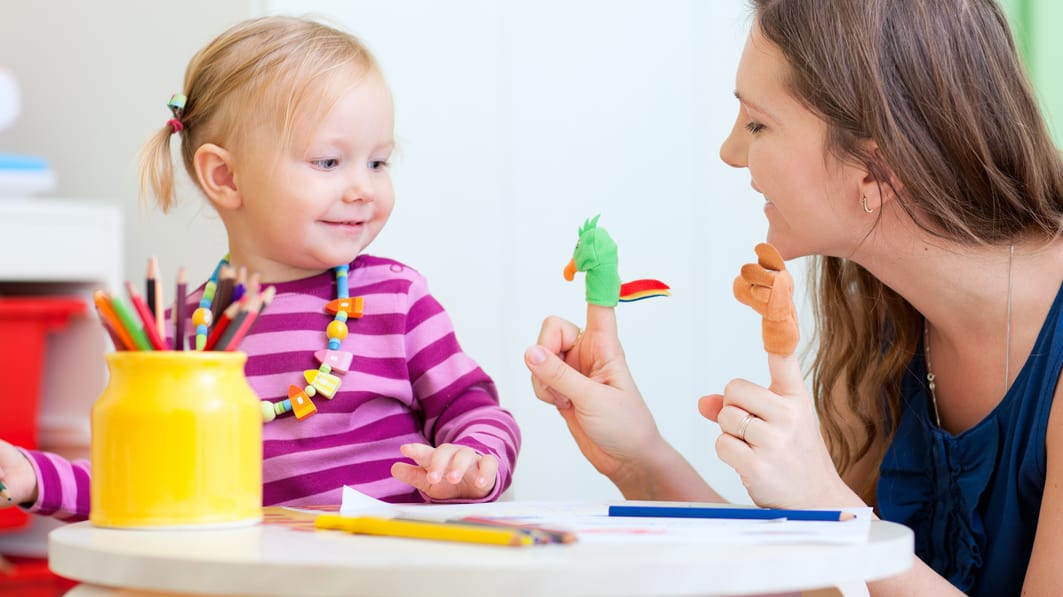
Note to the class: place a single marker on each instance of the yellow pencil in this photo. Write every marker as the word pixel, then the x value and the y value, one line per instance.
pixel 422 529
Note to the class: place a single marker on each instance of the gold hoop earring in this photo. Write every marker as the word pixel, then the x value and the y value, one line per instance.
pixel 863 203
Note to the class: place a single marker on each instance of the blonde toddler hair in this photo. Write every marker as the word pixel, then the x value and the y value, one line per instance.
pixel 256 76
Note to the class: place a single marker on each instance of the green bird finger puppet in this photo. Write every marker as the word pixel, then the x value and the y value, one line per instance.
pixel 596 255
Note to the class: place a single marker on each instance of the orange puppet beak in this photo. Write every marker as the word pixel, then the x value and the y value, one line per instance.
pixel 570 270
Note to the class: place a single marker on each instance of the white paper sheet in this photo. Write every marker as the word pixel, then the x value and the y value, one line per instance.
pixel 590 521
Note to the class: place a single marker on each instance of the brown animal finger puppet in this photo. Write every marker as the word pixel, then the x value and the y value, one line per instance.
pixel 768 288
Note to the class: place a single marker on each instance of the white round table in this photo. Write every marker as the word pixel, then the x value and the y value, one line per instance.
pixel 278 560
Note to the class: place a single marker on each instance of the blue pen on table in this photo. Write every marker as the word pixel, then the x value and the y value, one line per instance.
pixel 730 513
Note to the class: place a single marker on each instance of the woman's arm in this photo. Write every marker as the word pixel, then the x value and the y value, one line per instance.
pixel 1044 575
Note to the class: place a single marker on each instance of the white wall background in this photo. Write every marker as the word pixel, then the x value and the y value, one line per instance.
pixel 516 121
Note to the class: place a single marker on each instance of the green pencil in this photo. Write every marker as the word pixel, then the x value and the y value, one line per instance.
pixel 131 323
pixel 3 491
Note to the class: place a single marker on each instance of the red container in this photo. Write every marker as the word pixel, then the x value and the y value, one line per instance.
pixel 31 577
pixel 24 326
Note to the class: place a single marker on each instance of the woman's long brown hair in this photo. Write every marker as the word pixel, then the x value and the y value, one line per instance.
pixel 938 86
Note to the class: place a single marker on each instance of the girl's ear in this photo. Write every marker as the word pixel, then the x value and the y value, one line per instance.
pixel 215 175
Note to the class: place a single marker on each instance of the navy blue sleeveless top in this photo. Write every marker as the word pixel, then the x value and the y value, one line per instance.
pixel 973 499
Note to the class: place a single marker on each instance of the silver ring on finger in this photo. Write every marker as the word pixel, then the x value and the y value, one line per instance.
pixel 743 425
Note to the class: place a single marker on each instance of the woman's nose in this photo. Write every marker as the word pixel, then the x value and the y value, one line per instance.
pixel 734 147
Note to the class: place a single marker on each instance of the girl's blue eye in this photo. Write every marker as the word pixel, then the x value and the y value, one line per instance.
pixel 326 164
pixel 754 127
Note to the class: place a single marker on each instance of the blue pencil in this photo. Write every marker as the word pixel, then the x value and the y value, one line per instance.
pixel 731 513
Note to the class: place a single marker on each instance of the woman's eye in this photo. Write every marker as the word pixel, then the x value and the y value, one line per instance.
pixel 326 164
pixel 754 127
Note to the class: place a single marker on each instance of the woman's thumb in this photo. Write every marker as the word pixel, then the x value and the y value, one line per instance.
pixel 555 374
pixel 785 373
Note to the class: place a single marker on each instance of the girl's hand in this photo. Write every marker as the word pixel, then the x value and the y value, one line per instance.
pixel 17 474
pixel 448 471
pixel 587 378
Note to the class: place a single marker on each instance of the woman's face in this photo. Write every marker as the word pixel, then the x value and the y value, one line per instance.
pixel 812 200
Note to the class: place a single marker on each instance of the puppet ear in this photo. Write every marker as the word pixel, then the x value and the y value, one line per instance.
pixel 215 175
pixel 768 257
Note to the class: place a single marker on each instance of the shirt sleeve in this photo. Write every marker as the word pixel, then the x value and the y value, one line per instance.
pixel 460 401
pixel 62 486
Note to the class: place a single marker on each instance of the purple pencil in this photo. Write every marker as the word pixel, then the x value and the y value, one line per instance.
pixel 179 310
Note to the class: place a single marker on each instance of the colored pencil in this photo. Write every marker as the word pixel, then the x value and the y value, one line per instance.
pixel 422 529
pixel 221 325
pixel 540 534
pixel 246 319
pixel 153 294
pixel 3 492
pixel 240 285
pixel 178 312
pixel 129 322
pixel 120 336
pixel 146 317
pixel 730 513
pixel 223 294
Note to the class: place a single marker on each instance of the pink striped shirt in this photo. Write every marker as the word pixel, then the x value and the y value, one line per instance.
pixel 409 382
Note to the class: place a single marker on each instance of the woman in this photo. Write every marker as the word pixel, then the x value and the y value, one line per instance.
pixel 898 142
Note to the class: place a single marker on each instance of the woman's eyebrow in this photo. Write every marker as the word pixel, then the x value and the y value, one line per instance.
pixel 756 106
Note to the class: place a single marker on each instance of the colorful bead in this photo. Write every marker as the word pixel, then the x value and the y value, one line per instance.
pixel 202 316
pixel 326 384
pixel 268 413
pixel 302 405
pixel 337 360
pixel 337 330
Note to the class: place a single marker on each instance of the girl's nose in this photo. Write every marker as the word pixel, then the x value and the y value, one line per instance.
pixel 360 189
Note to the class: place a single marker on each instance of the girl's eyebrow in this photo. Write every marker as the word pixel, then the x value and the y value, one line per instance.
pixel 756 107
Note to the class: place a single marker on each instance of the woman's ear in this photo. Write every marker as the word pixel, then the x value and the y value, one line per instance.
pixel 215 175
pixel 879 185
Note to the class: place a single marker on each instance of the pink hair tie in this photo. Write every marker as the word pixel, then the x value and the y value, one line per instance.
pixel 177 108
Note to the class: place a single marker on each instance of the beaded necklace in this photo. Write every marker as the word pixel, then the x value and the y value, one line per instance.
pixel 320 381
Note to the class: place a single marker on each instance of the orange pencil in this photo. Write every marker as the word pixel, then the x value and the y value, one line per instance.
pixel 124 341
pixel 150 329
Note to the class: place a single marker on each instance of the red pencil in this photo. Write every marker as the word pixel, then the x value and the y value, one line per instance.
pixel 150 329
pixel 221 325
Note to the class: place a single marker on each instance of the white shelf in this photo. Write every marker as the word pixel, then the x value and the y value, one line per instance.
pixel 70 248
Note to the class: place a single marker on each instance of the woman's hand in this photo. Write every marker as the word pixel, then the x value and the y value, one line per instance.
pixel 771 436
pixel 17 474
pixel 447 471
pixel 587 378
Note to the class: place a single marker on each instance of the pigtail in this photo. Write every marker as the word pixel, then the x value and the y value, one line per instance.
pixel 157 171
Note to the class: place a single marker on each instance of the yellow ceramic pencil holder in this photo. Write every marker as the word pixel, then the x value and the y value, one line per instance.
pixel 176 442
